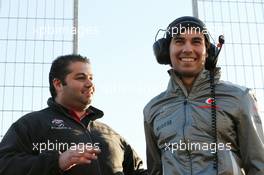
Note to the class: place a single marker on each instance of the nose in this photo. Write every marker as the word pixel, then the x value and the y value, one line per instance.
pixel 88 83
pixel 187 48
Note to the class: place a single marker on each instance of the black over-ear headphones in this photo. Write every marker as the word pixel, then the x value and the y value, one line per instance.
pixel 161 46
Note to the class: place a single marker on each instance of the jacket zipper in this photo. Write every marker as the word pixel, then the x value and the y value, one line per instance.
pixel 87 131
pixel 185 141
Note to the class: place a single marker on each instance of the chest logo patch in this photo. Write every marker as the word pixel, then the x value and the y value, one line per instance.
pixel 209 101
pixel 208 105
pixel 58 124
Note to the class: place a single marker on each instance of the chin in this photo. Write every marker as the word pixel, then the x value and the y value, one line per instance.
pixel 189 73
pixel 87 103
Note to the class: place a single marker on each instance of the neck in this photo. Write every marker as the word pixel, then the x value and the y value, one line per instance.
pixel 188 82
pixel 79 111
pixel 80 114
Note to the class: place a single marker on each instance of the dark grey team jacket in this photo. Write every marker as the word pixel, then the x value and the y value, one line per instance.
pixel 179 135
pixel 22 148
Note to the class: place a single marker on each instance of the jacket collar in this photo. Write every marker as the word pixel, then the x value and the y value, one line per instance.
pixel 92 112
pixel 201 82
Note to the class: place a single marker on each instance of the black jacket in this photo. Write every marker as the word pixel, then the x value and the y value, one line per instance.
pixel 32 144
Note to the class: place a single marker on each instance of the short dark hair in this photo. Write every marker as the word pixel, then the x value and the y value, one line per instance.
pixel 60 69
pixel 189 22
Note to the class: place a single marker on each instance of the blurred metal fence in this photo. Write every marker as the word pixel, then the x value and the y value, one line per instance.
pixel 242 23
pixel 32 34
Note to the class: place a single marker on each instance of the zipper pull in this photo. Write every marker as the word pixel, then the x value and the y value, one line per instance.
pixel 185 102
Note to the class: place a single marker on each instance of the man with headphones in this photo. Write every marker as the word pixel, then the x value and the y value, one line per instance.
pixel 200 125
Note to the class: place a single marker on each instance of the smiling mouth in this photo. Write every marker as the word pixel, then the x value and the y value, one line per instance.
pixel 188 59
pixel 89 93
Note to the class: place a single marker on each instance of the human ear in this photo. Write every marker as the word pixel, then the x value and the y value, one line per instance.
pixel 57 84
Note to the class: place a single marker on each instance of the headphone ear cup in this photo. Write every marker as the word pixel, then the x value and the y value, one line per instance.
pixel 161 51
pixel 211 60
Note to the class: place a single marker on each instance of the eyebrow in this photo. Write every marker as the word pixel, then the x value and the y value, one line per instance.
pixel 193 39
pixel 197 38
pixel 179 37
pixel 83 74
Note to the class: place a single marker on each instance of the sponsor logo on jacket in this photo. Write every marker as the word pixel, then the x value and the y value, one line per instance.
pixel 164 124
pixel 58 124
pixel 208 102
